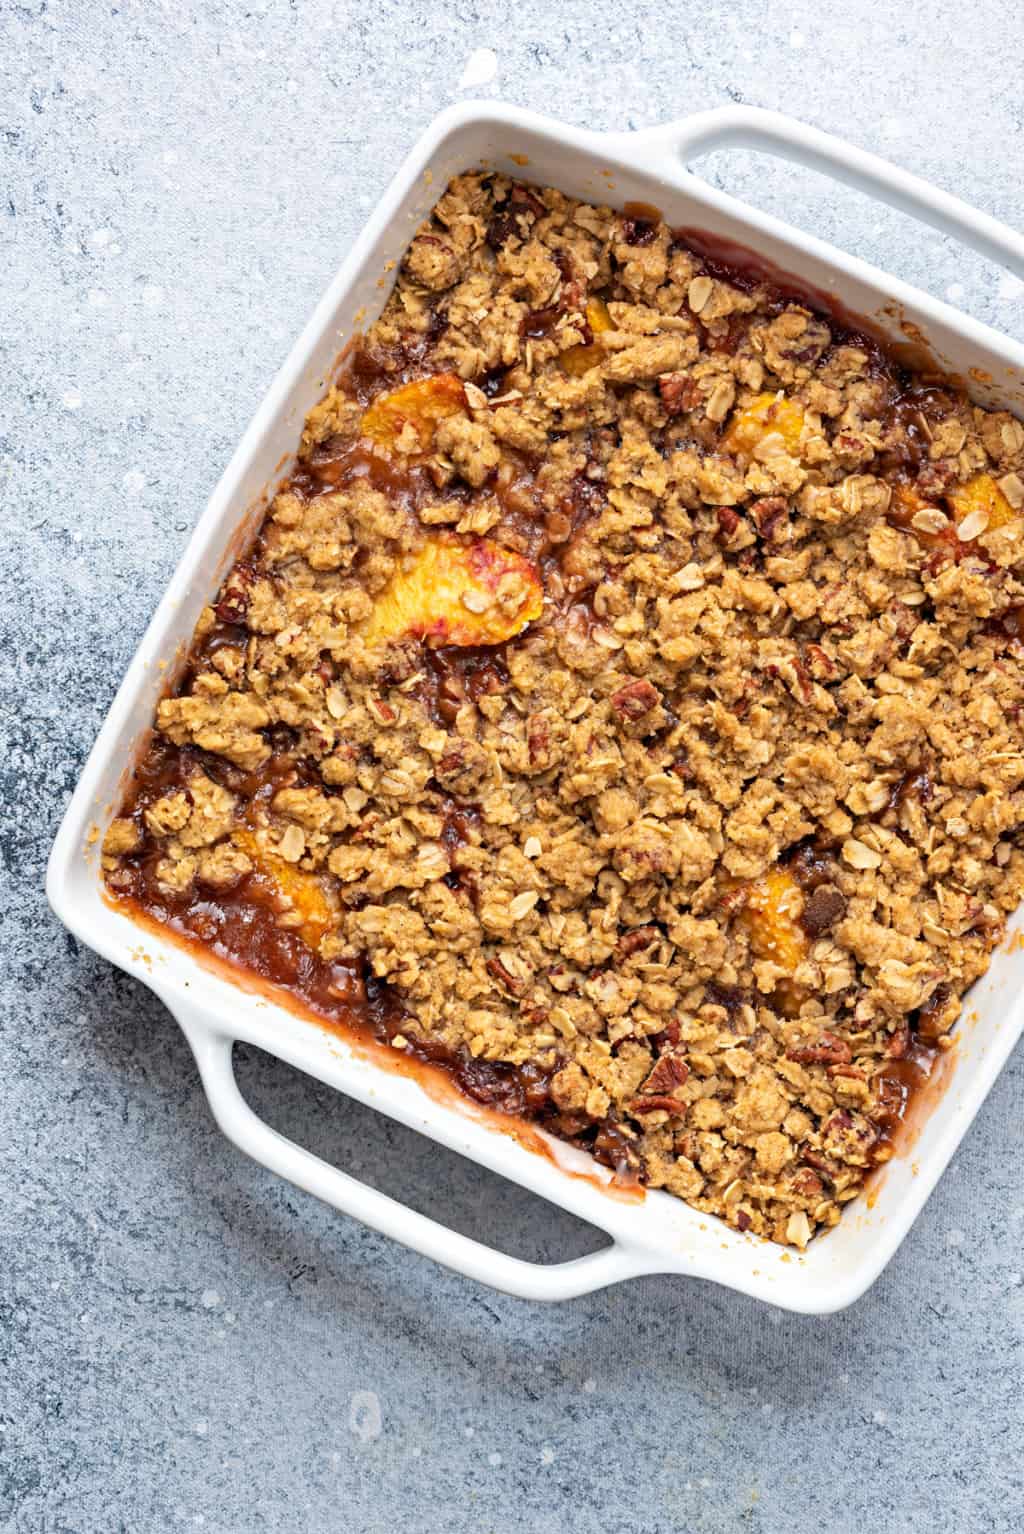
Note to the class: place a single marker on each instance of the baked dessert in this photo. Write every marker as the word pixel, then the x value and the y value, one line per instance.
pixel 619 708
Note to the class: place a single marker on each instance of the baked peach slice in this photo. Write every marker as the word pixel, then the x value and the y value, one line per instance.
pixel 771 913
pixel 299 891
pixel 455 593
pixel 928 523
pixel 578 360
pixel 770 909
pixel 979 506
pixel 407 417
pixel 766 415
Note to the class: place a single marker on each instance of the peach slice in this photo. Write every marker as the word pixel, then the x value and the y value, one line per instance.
pixel 979 506
pixel 419 405
pixel 907 505
pixel 299 890
pixel 766 415
pixel 454 593
pixel 580 359
pixel 771 914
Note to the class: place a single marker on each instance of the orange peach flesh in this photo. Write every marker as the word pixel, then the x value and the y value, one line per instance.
pixel 454 593
pixel 419 405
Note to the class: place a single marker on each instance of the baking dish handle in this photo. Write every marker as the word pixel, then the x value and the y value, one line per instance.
pixel 774 133
pixel 527 1280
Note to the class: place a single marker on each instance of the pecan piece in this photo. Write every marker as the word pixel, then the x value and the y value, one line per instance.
pixel 635 940
pixel 827 1051
pixel 807 1183
pixel 728 520
pixel 669 1072
pixel 635 699
pixel 767 514
pixel 538 740
pixel 678 392
pixel 505 978
pixel 657 1104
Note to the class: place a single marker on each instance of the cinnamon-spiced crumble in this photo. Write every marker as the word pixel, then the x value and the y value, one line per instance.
pixel 620 706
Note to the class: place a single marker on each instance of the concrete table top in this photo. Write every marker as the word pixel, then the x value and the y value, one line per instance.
pixel 187 1342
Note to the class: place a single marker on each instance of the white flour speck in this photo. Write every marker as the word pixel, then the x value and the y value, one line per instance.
pixel 494 1460
pixel 97 298
pixel 134 481
pixel 481 68
pixel 100 237
pixel 547 1455
pixel 292 87
pixel 364 1415
pixel 201 1427
pixel 955 1238
pixel 210 1299
pixel 590 1386
pixel 880 1418
pixel 152 295
pixel 796 39
pixel 417 1452
pixel 955 292
pixel 170 157
pixel 469 1431
pixel 1010 286
pixel 71 399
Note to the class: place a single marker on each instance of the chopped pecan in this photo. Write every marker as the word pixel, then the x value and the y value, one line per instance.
pixel 820 664
pixel 668 1036
pixel 820 1162
pixel 827 1051
pixel 634 940
pixel 728 520
pixel 767 514
pixel 657 1104
pixel 538 740
pixel 635 699
pixel 678 392
pixel 514 984
pixel 807 1183
pixel 669 1072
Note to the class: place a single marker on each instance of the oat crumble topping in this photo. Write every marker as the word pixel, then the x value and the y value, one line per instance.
pixel 620 706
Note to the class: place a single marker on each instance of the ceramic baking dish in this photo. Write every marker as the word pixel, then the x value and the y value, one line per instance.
pixel 656 1233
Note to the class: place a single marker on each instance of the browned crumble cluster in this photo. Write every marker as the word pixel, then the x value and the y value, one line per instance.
pixel 620 706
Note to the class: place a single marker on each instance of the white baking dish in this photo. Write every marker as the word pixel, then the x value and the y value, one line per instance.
pixel 658 1233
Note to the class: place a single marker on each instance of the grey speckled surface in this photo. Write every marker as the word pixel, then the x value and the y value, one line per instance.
pixel 185 1341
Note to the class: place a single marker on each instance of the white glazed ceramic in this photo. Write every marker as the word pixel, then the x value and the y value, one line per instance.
pixel 657 1234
